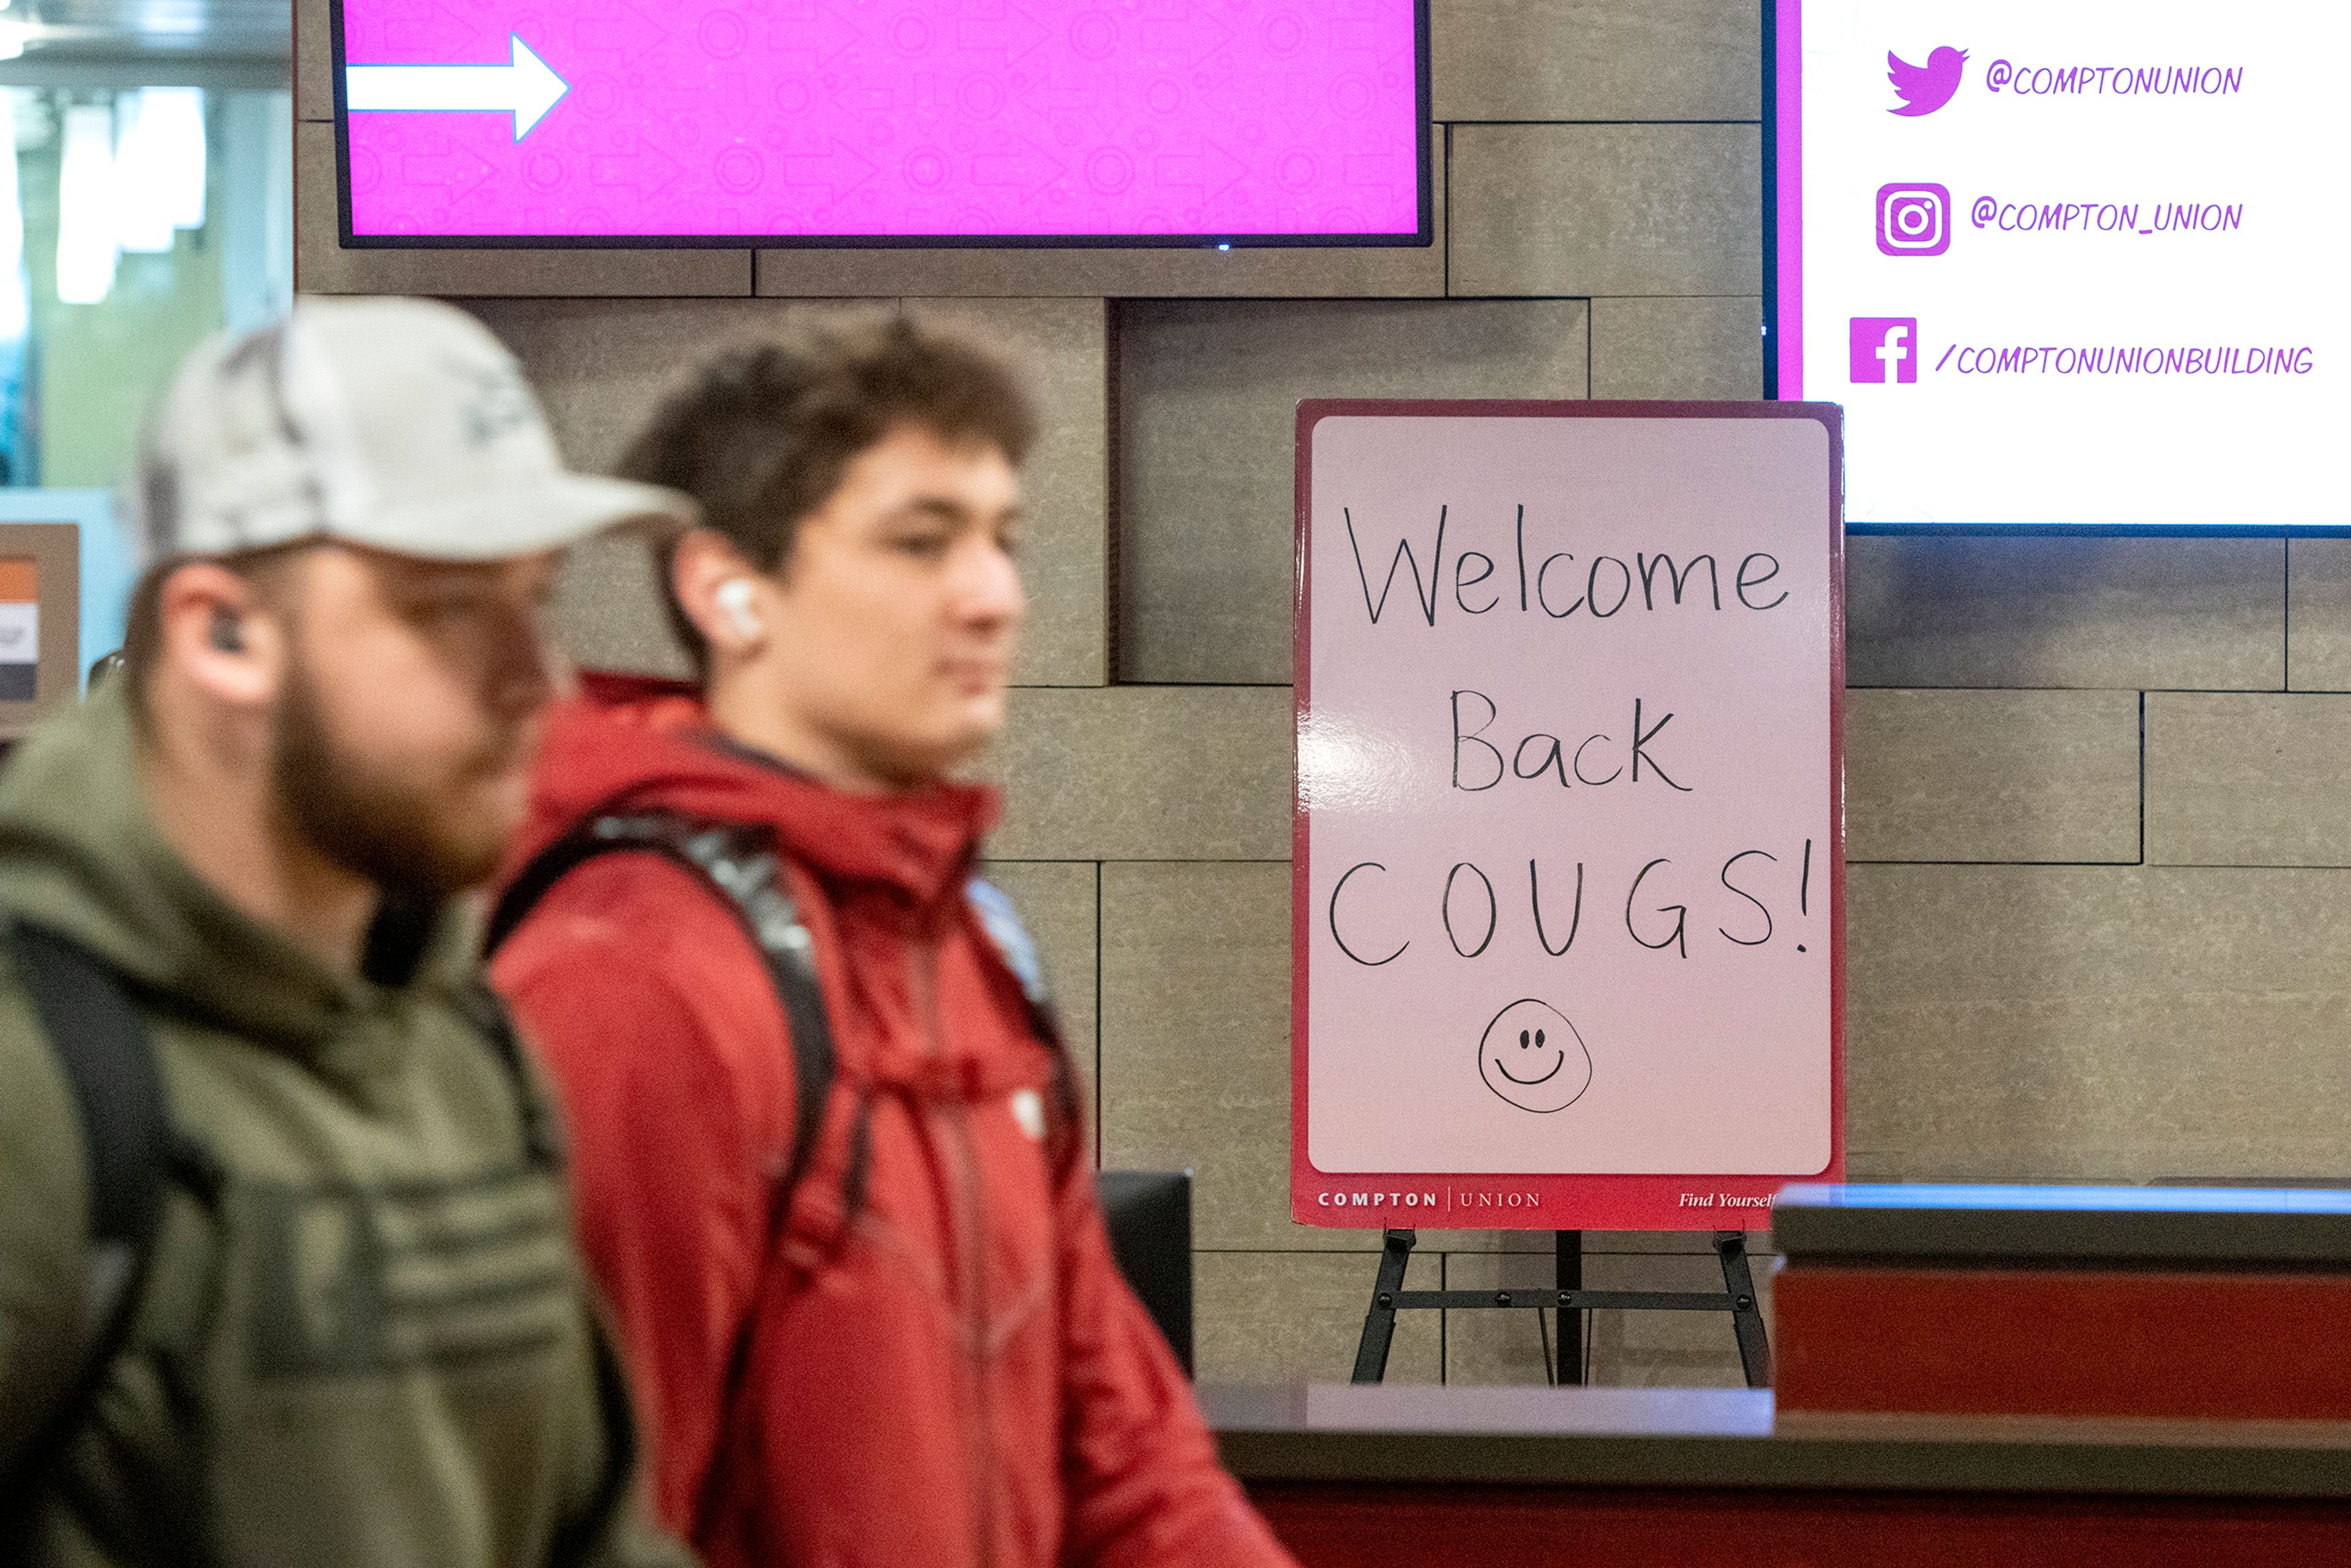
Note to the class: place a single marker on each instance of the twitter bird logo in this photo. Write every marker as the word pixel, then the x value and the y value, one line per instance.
pixel 1926 88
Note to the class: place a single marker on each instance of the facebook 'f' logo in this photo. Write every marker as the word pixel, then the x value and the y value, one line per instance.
pixel 1886 348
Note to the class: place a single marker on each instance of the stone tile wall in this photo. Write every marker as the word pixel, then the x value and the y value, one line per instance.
pixel 2098 926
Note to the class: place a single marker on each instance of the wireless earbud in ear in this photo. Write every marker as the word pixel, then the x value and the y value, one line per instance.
pixel 226 633
pixel 734 597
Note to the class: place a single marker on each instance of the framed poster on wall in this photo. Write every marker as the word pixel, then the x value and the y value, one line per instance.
pixel 40 621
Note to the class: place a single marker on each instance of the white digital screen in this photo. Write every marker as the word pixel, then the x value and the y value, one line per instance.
pixel 2068 262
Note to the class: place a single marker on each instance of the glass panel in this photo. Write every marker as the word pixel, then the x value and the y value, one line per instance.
pixel 134 223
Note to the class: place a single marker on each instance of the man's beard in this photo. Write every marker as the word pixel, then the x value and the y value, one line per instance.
pixel 395 835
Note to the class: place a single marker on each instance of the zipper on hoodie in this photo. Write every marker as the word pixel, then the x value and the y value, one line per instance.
pixel 971 1260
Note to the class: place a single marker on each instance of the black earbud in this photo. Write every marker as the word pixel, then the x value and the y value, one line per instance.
pixel 227 633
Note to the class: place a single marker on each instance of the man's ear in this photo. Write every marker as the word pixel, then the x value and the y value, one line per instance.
pixel 729 601
pixel 220 637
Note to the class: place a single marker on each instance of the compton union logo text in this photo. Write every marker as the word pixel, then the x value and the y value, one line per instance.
pixel 1446 1199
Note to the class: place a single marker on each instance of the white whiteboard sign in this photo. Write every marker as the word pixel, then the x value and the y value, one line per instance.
pixel 1568 863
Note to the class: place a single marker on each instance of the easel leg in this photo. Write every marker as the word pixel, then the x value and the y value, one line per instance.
pixel 1569 1254
pixel 1379 1324
pixel 1746 1313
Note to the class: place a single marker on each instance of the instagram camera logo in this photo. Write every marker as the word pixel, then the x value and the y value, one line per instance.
pixel 1914 218
pixel 1885 349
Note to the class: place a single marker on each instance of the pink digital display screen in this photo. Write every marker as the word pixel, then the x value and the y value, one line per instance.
pixel 783 122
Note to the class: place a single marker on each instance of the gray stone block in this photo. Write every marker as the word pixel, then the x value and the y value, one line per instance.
pixel 2037 611
pixel 1196 1045
pixel 1596 59
pixel 2248 779
pixel 1209 395
pixel 2059 1023
pixel 1595 210
pixel 2011 776
pixel 314 61
pixel 1172 773
pixel 1705 348
pixel 2318 614
pixel 1296 1317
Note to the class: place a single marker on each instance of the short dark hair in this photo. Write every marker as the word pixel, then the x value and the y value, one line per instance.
pixel 760 436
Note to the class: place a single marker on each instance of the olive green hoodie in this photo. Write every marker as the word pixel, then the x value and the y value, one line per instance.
pixel 369 1344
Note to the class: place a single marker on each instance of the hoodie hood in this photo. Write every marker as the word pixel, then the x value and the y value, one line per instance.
pixel 81 853
pixel 631 743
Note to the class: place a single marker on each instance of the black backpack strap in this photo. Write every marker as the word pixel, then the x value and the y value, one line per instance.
pixel 132 1149
pixel 579 1537
pixel 542 1135
pixel 583 1538
pixel 738 864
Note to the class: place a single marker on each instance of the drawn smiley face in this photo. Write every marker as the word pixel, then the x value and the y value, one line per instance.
pixel 1533 1057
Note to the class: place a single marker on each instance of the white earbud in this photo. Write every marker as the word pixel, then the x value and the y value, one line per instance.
pixel 734 597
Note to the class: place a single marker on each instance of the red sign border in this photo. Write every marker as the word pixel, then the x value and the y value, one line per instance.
pixel 1432 1200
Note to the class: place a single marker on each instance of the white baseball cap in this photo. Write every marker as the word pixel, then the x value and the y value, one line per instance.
pixel 401 425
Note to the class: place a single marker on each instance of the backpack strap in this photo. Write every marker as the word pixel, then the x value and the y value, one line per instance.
pixel 542 1135
pixel 577 1539
pixel 1001 923
pixel 738 864
pixel 131 1152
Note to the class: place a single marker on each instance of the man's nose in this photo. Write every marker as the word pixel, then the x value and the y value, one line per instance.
pixel 987 586
pixel 527 666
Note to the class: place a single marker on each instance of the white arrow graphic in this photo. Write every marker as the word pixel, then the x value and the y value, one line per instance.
pixel 526 87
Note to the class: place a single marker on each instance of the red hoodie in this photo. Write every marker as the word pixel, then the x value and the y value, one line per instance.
pixel 954 1375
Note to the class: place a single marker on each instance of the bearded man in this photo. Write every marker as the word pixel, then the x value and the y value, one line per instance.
pixel 284 1267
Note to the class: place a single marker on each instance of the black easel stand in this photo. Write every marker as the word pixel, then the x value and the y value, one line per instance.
pixel 1569 1298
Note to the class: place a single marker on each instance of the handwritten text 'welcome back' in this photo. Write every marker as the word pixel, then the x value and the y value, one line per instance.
pixel 1562 587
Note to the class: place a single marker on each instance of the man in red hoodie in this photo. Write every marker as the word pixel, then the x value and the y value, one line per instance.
pixel 828 1162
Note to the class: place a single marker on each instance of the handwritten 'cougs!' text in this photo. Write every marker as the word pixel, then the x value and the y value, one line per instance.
pixel 1659 904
